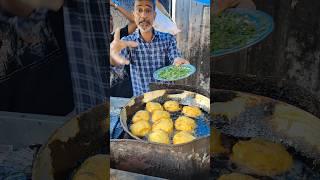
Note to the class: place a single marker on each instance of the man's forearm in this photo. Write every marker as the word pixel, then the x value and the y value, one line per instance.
pixel 126 13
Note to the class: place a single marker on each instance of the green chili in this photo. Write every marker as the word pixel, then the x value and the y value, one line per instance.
pixel 174 72
pixel 230 30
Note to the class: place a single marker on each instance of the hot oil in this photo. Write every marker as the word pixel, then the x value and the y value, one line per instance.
pixel 246 124
pixel 253 123
pixel 203 121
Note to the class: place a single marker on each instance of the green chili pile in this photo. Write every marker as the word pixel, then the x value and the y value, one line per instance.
pixel 174 72
pixel 230 30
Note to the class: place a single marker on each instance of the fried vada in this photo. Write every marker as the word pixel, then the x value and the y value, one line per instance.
pixel 152 106
pixel 182 137
pixel 171 106
pixel 191 111
pixel 184 123
pixel 140 128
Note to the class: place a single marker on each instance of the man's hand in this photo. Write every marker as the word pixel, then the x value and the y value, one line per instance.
pixel 247 4
pixel 226 4
pixel 112 4
pixel 179 61
pixel 116 46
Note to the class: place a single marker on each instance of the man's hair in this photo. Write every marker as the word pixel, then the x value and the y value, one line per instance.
pixel 153 3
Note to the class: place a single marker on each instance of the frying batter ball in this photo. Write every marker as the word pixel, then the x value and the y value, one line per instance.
pixel 163 124
pixel 159 136
pixel 261 157
pixel 182 137
pixel 171 106
pixel 94 168
pixel 236 176
pixel 140 128
pixel 191 111
pixel 141 116
pixel 184 123
pixel 216 146
pixel 152 106
pixel 159 114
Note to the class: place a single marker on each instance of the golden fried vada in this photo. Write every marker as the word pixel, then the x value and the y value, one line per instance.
pixel 182 137
pixel 152 106
pixel 191 111
pixel 159 136
pixel 171 106
pixel 94 168
pixel 261 157
pixel 140 128
pixel 165 124
pixel 216 146
pixel 184 123
pixel 159 114
pixel 236 176
pixel 141 116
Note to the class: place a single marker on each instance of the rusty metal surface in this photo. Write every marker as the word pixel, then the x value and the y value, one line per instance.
pixel 79 138
pixel 187 161
pixel 281 90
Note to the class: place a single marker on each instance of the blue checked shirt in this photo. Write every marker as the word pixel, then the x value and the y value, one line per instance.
pixel 86 33
pixel 86 26
pixel 149 57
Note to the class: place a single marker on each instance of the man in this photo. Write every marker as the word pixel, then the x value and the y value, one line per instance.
pixel 155 49
pixel 53 62
pixel 120 82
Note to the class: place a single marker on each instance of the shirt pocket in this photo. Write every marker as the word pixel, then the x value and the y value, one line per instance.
pixel 159 57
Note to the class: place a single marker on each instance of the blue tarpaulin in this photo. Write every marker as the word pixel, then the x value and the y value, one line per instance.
pixel 206 2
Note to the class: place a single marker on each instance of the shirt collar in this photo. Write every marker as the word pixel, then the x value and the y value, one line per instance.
pixel 138 35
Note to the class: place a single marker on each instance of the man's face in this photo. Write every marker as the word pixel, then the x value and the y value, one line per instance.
pixel 144 15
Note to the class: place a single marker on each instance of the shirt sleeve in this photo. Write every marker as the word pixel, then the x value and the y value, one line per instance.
pixel 125 53
pixel 173 50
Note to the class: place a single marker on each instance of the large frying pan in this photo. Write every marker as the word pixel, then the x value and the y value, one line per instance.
pixel 245 115
pixel 184 161
pixel 79 138
pixel 182 96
